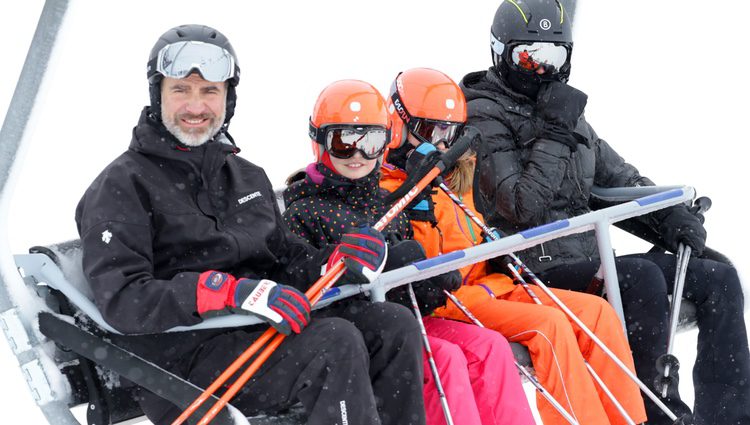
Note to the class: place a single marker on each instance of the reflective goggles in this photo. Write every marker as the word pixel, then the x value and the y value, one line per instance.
pixel 344 141
pixel 435 132
pixel 178 60
pixel 539 57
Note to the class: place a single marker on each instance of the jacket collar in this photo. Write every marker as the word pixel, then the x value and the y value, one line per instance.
pixel 490 85
pixel 322 181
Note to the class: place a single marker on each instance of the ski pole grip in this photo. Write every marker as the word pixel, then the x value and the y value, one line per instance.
pixel 461 145
pixel 702 204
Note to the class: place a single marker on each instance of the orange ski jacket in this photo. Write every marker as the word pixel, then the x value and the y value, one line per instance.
pixel 454 231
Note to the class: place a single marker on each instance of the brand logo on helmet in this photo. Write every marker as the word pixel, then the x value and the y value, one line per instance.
pixel 545 24
pixel 401 111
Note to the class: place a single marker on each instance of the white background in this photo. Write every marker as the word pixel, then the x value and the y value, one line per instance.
pixel 667 86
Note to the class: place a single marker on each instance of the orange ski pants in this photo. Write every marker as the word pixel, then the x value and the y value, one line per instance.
pixel 558 348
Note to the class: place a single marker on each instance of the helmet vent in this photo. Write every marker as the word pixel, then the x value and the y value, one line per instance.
pixel 180 33
pixel 212 35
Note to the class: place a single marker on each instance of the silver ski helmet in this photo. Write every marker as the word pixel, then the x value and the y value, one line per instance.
pixel 532 39
pixel 193 48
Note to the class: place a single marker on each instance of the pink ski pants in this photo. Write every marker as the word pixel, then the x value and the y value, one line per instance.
pixel 480 381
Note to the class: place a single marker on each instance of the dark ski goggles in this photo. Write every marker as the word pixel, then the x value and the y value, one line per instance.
pixel 178 60
pixel 343 141
pixel 539 57
pixel 435 132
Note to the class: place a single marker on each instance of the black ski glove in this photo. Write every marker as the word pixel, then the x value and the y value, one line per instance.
pixel 402 253
pixel 560 106
pixel 680 225
pixel 429 292
pixel 422 158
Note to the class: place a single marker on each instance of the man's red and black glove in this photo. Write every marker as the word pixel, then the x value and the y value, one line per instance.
pixel 364 252
pixel 283 307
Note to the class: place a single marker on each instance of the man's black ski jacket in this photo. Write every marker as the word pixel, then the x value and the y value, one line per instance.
pixel 162 213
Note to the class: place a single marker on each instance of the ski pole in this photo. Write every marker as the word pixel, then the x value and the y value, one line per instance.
pixel 494 234
pixel 430 357
pixel 314 293
pixel 524 371
pixel 668 362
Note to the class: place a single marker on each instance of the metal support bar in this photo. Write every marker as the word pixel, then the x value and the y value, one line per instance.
pixel 607 257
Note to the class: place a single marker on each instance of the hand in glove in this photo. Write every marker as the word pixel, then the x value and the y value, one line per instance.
pixel 429 292
pixel 421 160
pixel 679 225
pixel 283 307
pixel 364 252
pixel 403 252
pixel 560 106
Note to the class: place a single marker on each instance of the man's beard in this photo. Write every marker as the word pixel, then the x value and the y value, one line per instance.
pixel 194 137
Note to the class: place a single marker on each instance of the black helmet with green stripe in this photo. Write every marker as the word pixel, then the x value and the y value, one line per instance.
pixel 525 22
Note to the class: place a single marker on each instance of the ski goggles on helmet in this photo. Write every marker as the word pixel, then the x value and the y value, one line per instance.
pixel 178 60
pixel 435 132
pixel 533 57
pixel 539 57
pixel 343 141
pixel 424 129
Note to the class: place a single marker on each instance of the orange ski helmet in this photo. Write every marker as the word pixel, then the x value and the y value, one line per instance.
pixel 350 115
pixel 427 103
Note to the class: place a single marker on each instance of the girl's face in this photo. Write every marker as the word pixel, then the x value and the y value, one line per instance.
pixel 355 167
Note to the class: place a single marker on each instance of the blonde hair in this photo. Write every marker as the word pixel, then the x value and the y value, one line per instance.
pixel 462 177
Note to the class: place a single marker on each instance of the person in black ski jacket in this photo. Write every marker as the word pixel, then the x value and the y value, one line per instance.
pixel 536 163
pixel 180 228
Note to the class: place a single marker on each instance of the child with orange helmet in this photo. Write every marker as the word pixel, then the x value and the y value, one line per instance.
pixel 428 110
pixel 350 129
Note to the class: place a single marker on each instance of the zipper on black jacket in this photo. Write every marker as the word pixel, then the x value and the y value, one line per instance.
pixel 544 258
